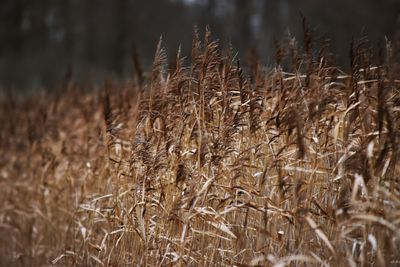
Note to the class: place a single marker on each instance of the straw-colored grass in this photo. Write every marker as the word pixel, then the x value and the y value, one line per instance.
pixel 208 164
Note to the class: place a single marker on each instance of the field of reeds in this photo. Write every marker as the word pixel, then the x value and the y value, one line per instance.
pixel 208 161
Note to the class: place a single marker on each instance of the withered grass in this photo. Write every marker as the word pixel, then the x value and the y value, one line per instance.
pixel 211 162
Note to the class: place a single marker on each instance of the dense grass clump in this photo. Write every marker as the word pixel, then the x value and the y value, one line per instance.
pixel 208 163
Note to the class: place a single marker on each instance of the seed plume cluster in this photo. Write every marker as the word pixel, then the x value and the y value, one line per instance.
pixel 210 161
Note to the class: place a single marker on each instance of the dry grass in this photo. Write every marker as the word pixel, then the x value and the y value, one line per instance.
pixel 208 164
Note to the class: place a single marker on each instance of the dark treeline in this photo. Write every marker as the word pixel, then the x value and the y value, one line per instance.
pixel 41 40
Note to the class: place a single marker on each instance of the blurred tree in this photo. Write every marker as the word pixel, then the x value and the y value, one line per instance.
pixel 241 34
pixel 12 24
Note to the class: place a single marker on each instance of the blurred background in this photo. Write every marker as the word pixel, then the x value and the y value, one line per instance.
pixel 40 41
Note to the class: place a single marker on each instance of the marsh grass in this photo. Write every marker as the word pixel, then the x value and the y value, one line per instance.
pixel 208 162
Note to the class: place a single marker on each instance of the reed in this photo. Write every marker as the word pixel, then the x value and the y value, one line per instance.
pixel 208 162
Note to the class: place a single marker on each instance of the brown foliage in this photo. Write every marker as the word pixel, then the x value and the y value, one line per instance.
pixel 207 165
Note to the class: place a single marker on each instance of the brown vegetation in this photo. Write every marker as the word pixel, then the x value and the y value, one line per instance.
pixel 208 164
